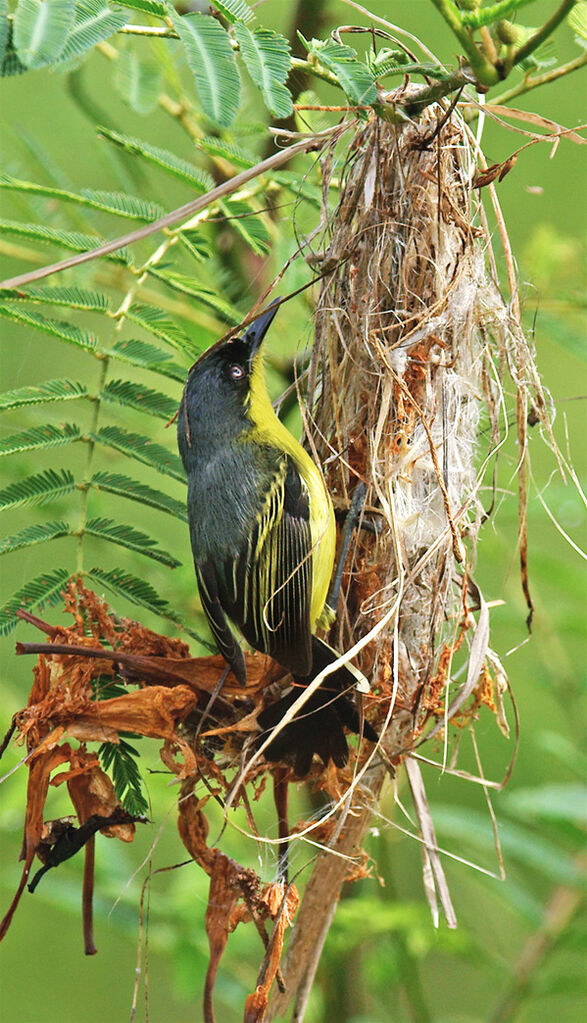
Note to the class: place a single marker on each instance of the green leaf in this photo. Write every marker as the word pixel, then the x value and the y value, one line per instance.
pixel 212 62
pixel 129 537
pixel 195 243
pixel 4 29
pixel 141 593
pixel 136 396
pixel 56 328
pixel 40 532
pixel 121 203
pixel 267 57
pixel 355 77
pixel 94 22
pixel 577 19
pixel 299 187
pixel 162 158
pixel 141 353
pixel 73 298
pixel 226 150
pixel 39 438
pixel 124 486
pixel 120 759
pixel 142 449
pixel 41 592
pixel 40 394
pixel 10 64
pixel 245 220
pixel 154 7
pixel 189 286
pixel 137 82
pixel 45 486
pixel 234 10
pixel 158 323
pixel 40 30
pixel 73 240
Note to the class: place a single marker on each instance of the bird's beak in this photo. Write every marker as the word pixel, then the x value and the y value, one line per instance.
pixel 257 330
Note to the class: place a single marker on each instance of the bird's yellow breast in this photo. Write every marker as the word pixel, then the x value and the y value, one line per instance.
pixel 269 428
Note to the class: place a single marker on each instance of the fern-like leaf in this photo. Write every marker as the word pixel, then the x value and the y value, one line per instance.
pixel 41 592
pixel 162 158
pixel 235 155
pixel 141 593
pixel 121 203
pixel 248 224
pixel 142 449
pixel 56 328
pixel 212 62
pixel 41 394
pixel 267 57
pixel 132 490
pixel 129 537
pixel 189 286
pixel 40 30
pixel 141 353
pixel 40 532
pixel 39 438
pixel 234 10
pixel 38 489
pixel 95 21
pixel 125 392
pixel 121 759
pixel 75 241
pixel 355 77
pixel 155 7
pixel 73 298
pixel 157 323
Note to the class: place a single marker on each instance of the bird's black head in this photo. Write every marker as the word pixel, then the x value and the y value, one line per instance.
pixel 217 393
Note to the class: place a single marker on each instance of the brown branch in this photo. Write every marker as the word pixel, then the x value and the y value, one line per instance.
pixel 319 903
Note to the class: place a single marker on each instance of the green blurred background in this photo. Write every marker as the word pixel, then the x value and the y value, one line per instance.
pixel 382 935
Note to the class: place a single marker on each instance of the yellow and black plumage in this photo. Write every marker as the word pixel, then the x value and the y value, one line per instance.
pixel 263 538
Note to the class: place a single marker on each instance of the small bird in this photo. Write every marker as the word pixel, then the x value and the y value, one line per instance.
pixel 263 538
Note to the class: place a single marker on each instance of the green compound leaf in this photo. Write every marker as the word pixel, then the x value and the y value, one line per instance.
pixel 41 592
pixel 56 328
pixel 162 158
pixel 120 203
pixel 41 394
pixel 141 353
pixel 129 537
pixel 267 57
pixel 40 437
pixel 142 449
pixel 137 82
pixel 234 10
pixel 41 28
pixel 120 758
pixel 73 298
pixel 38 489
pixel 95 21
pixel 154 403
pixel 73 240
pixel 132 490
pixel 355 77
pixel 158 323
pixel 38 533
pixel 211 59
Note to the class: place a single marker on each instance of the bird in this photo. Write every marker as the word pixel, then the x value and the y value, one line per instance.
pixel 263 539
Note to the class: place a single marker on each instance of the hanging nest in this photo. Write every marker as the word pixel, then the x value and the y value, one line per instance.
pixel 412 339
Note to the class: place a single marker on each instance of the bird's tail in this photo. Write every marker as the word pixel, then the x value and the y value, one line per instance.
pixel 319 726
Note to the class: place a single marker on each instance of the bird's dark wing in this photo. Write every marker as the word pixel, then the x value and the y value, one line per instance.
pixel 266 589
pixel 227 644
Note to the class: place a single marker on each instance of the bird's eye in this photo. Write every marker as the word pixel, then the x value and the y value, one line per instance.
pixel 236 371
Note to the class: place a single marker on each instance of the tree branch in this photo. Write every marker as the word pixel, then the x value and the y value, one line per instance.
pixel 542 34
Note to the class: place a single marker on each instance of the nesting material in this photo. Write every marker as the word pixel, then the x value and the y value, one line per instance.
pixel 409 329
